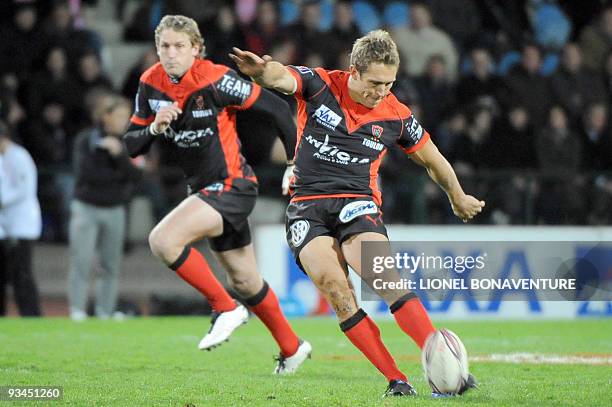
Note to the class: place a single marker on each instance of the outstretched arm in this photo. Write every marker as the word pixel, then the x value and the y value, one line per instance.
pixel 264 71
pixel 464 206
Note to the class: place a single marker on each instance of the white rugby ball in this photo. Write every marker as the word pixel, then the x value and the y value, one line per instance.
pixel 445 362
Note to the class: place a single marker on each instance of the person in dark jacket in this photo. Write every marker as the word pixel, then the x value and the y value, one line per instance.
pixel 104 178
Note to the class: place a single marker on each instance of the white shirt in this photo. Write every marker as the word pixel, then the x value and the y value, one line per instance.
pixel 19 208
pixel 416 47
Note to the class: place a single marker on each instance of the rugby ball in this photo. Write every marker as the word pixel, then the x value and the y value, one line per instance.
pixel 445 362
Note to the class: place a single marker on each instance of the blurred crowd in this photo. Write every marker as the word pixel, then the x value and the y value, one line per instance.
pixel 516 94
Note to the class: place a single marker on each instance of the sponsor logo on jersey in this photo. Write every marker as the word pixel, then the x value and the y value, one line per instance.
pixel 199 102
pixel 235 87
pixel 327 117
pixel 373 144
pixel 157 104
pixel 331 153
pixel 198 114
pixel 299 230
pixel 189 138
pixel 355 209
pixel 414 129
pixel 304 70
pixel 377 130
pixel 216 187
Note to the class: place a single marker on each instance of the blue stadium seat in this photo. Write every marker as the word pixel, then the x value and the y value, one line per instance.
pixel 507 61
pixel 289 12
pixel 366 16
pixel 327 14
pixel 396 14
pixel 552 28
pixel 549 64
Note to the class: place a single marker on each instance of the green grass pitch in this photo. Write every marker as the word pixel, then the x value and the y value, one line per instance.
pixel 155 362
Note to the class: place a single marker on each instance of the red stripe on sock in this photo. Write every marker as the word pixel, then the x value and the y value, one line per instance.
pixel 196 271
pixel 413 319
pixel 268 310
pixel 366 337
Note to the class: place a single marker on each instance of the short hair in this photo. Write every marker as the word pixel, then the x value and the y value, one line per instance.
pixel 102 101
pixel 181 24
pixel 374 47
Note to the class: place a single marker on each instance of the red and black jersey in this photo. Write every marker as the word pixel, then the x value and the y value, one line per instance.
pixel 203 139
pixel 340 142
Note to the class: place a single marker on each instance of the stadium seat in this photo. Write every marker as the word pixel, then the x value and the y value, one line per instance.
pixel 289 12
pixel 550 64
pixel 396 14
pixel 366 16
pixel 507 61
pixel 552 28
pixel 327 15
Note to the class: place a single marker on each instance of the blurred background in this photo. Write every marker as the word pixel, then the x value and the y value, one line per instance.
pixel 516 94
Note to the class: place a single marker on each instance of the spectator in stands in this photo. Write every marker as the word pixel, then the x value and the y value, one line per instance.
pixel 574 85
pixel 20 225
pixel 558 147
pixel 46 137
pixel 436 91
pixel 524 85
pixel 11 111
pixel 130 84
pixel 461 20
pixel 263 33
pixel 596 40
pixel 451 128
pixel 596 138
pixel 21 42
pixel 513 145
pixel 89 76
pixel 480 83
pixel 54 83
pixel 223 34
pixel 308 34
pixel 144 19
pixel 61 32
pixel 561 199
pixel 418 42
pixel 344 30
pixel 286 51
pixel 104 178
pixel 472 149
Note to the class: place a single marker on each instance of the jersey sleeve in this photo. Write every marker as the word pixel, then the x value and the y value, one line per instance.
pixel 143 115
pixel 309 83
pixel 233 90
pixel 413 136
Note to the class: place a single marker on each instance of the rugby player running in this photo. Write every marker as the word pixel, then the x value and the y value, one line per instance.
pixel 188 104
pixel 346 121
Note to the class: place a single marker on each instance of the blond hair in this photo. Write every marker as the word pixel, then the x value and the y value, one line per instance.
pixel 374 47
pixel 181 24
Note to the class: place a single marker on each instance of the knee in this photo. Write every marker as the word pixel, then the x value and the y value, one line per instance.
pixel 161 245
pixel 245 284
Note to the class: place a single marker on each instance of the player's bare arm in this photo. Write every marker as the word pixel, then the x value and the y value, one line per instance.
pixel 164 117
pixel 439 169
pixel 264 71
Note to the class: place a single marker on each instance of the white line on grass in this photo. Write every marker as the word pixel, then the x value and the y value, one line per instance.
pixel 538 358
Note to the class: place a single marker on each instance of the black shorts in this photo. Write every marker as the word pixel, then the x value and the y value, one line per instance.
pixel 336 217
pixel 235 206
